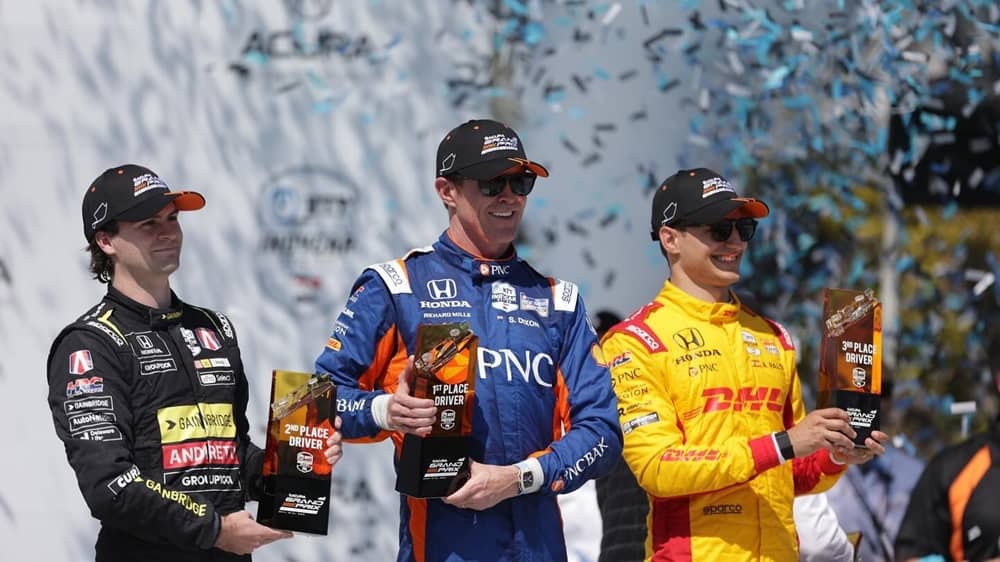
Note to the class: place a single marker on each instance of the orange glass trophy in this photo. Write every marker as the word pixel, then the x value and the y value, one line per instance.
pixel 850 368
pixel 296 475
pixel 444 371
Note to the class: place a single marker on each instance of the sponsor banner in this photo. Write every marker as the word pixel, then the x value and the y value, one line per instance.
pixel 203 479
pixel 200 453
pixel 88 404
pixel 195 421
pixel 539 305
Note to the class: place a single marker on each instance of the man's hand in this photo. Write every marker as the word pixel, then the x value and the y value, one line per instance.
pixel 487 486
pixel 334 451
pixel 828 428
pixel 857 455
pixel 406 413
pixel 240 534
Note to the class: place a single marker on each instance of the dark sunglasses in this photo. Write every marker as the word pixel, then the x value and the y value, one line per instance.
pixel 722 230
pixel 519 185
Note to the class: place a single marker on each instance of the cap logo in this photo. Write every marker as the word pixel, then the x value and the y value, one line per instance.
pixel 447 163
pixel 145 182
pixel 499 141
pixel 670 212
pixel 100 214
pixel 715 185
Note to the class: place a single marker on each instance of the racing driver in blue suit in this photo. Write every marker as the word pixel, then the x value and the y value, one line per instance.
pixel 544 418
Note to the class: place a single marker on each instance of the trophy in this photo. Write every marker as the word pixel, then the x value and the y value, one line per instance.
pixel 850 365
pixel 436 465
pixel 296 475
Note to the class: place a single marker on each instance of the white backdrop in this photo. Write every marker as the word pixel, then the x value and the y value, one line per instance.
pixel 316 160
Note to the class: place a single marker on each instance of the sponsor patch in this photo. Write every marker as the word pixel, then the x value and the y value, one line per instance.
pixel 499 141
pixel 190 341
pixel 203 479
pixel 208 339
pixel 88 404
pixel 333 344
pixel 147 345
pixel 504 297
pixel 689 338
pixel 86 385
pixel 192 421
pixel 632 425
pixel 90 419
pixel 620 359
pixel 80 362
pixel 214 362
pixel 539 305
pixel 109 433
pixel 119 482
pixel 712 186
pixel 145 182
pixel 442 289
pixel 200 453
pixel 157 366
pixel 217 378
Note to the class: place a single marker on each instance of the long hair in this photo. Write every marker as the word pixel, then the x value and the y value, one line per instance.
pixel 101 264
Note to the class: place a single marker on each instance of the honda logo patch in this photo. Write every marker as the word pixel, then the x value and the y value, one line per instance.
pixel 442 289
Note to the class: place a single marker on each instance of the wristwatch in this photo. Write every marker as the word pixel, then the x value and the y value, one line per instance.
pixel 526 480
pixel 529 478
pixel 785 445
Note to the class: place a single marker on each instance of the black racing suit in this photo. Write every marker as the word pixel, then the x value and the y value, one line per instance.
pixel 151 407
pixel 953 508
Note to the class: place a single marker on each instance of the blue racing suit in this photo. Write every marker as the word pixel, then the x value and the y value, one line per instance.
pixel 542 390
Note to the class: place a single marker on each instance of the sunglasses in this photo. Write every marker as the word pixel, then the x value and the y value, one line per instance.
pixel 722 230
pixel 519 185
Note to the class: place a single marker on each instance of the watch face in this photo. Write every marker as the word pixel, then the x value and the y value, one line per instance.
pixel 527 479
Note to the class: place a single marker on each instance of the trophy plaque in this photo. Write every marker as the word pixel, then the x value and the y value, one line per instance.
pixel 296 475
pixel 436 465
pixel 850 367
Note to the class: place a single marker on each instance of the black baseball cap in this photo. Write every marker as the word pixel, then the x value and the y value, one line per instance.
pixel 699 196
pixel 483 149
pixel 130 193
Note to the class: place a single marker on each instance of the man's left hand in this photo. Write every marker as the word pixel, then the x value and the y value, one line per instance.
pixel 334 451
pixel 487 486
pixel 875 447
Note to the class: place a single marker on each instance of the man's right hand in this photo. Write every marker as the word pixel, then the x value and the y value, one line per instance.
pixel 407 413
pixel 822 429
pixel 240 534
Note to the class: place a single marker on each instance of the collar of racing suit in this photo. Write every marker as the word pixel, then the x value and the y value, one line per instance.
pixel 715 312
pixel 477 266
pixel 156 317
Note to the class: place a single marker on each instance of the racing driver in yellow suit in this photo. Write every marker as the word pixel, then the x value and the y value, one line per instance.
pixel 709 400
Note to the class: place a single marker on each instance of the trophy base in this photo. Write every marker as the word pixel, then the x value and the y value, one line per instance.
pixel 864 410
pixel 295 504
pixel 432 467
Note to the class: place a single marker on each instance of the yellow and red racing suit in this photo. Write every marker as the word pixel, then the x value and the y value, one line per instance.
pixel 702 387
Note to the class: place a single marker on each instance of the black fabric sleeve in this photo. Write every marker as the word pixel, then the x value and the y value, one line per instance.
pixel 90 386
pixel 926 527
